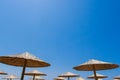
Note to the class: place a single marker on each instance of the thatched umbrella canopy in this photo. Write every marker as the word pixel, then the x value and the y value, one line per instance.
pixel 3 73
pixel 59 78
pixel 37 78
pixel 97 75
pixel 80 78
pixel 93 65
pixel 10 77
pixel 68 75
pixel 23 60
pixel 117 77
pixel 35 73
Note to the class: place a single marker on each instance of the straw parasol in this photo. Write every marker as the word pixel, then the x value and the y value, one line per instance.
pixel 59 78
pixel 12 76
pixel 37 78
pixel 35 73
pixel 97 75
pixel 93 65
pixel 23 60
pixel 68 75
pixel 117 77
pixel 3 73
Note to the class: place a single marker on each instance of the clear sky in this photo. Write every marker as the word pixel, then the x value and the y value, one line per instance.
pixel 64 33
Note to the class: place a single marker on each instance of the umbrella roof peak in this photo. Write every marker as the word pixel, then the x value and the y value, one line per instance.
pixel 69 74
pixel 117 77
pixel 11 76
pixel 80 78
pixel 59 78
pixel 37 78
pixel 2 72
pixel 25 55
pixel 93 61
pixel 35 71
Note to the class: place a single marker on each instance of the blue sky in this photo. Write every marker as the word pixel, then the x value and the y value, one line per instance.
pixel 64 33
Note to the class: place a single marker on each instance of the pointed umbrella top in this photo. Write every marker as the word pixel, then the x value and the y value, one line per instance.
pixel 35 72
pixel 59 78
pixel 69 74
pixel 99 65
pixel 80 78
pixel 12 76
pixel 98 76
pixel 117 77
pixel 93 61
pixel 37 78
pixel 26 55
pixel 19 59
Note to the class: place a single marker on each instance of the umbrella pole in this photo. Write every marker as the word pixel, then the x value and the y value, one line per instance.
pixel 23 71
pixel 34 77
pixel 94 72
pixel 68 78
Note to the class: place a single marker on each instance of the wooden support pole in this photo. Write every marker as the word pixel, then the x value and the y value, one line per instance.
pixel 23 71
